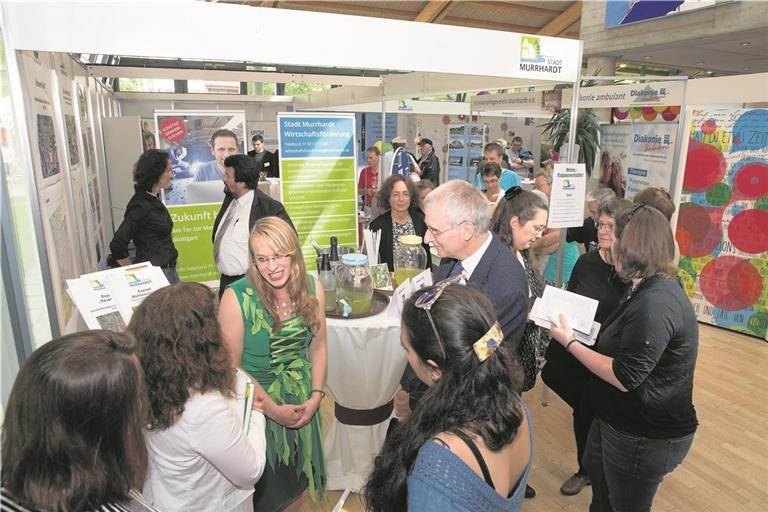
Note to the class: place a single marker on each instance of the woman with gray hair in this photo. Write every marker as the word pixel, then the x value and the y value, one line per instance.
pixel 587 233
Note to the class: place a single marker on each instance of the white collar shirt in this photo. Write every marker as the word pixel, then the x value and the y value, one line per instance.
pixel 471 263
pixel 233 255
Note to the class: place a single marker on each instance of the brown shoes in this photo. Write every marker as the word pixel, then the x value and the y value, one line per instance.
pixel 574 485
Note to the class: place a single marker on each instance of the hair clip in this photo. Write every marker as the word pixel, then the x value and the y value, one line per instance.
pixel 630 213
pixel 490 341
pixel 512 192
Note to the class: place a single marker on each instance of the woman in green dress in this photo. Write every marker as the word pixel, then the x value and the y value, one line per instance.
pixel 273 322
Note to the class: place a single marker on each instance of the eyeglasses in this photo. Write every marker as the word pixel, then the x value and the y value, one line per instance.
pixel 607 227
pixel 263 261
pixel 436 233
pixel 401 195
pixel 540 229
pixel 428 299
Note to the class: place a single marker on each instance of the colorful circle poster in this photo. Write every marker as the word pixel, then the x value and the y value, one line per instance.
pixel 722 227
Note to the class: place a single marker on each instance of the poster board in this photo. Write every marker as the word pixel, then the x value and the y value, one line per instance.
pixel 196 191
pixel 317 170
pixel 465 150
pixel 721 224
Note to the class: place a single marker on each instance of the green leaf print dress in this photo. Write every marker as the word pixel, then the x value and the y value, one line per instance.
pixel 279 362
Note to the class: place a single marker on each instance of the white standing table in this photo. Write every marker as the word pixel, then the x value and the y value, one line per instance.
pixel 365 363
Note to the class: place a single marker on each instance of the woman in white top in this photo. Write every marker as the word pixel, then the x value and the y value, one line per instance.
pixel 200 458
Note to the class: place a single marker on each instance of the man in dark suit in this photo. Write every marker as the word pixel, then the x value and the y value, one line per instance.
pixel 243 205
pixel 264 158
pixel 458 221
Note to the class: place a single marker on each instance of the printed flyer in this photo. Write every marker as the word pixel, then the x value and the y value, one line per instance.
pixel 721 226
pixel 317 167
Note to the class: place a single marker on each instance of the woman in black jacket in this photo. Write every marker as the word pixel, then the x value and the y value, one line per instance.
pixel 642 395
pixel 401 216
pixel 147 221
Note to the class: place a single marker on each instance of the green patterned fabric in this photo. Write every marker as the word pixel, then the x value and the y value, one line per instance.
pixel 280 364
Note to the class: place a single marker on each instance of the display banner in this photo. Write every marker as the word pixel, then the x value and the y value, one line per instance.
pixel 47 157
pixel 317 167
pixel 628 95
pixel 373 129
pixel 721 226
pixel 615 139
pixel 569 188
pixel 651 156
pixel 197 190
pixel 465 150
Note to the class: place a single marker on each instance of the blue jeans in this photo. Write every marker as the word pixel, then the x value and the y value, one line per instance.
pixel 626 470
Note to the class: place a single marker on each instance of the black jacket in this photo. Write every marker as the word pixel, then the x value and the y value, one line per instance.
pixel 266 162
pixel 383 223
pixel 262 206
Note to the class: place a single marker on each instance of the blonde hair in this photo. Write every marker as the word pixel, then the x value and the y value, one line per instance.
pixel 284 240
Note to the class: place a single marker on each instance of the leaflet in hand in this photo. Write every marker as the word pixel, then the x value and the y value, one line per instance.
pixel 406 289
pixel 244 390
pixel 579 311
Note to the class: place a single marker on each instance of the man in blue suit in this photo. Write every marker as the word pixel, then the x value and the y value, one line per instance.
pixel 458 222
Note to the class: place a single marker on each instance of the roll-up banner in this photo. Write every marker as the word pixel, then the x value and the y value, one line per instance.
pixel 317 170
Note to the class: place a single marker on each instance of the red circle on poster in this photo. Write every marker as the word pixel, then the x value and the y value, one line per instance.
pixel 173 129
pixel 697 232
pixel 446 119
pixel 747 231
pixel 751 180
pixel 730 283
pixel 704 167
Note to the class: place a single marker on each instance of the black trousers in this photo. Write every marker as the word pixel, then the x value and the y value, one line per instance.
pixel 225 281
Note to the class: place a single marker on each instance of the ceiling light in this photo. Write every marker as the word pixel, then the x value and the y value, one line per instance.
pixel 744 43
pixel 699 63
pixel 622 66
pixel 747 69
pixel 648 57
pixel 709 72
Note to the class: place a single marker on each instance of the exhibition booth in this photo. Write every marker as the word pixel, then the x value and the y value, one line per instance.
pixel 72 142
pixel 67 167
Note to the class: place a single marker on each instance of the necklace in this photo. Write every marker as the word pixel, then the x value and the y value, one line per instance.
pixel 284 309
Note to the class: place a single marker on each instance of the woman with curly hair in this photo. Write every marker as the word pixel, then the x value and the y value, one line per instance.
pixel 400 202
pixel 199 457
pixel 72 436
pixel 273 322
pixel 469 444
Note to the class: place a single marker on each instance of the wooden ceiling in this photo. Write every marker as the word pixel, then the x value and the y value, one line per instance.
pixel 549 18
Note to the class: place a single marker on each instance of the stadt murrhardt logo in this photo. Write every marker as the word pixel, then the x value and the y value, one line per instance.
pixel 530 49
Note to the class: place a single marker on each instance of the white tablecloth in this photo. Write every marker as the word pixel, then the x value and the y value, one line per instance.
pixel 365 363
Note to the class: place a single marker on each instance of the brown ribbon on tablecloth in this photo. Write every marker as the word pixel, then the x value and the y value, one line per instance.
pixel 363 417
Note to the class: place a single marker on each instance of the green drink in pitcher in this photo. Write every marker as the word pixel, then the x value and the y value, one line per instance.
pixel 401 274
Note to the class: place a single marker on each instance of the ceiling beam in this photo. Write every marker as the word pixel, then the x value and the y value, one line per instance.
pixel 230 76
pixel 562 22
pixel 515 8
pixel 432 10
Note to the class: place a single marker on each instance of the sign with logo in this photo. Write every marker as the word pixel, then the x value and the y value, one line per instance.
pixel 546 58
pixel 566 204
pixel 628 95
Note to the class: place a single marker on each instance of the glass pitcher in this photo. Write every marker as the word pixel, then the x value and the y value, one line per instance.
pixel 410 258
pixel 354 286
